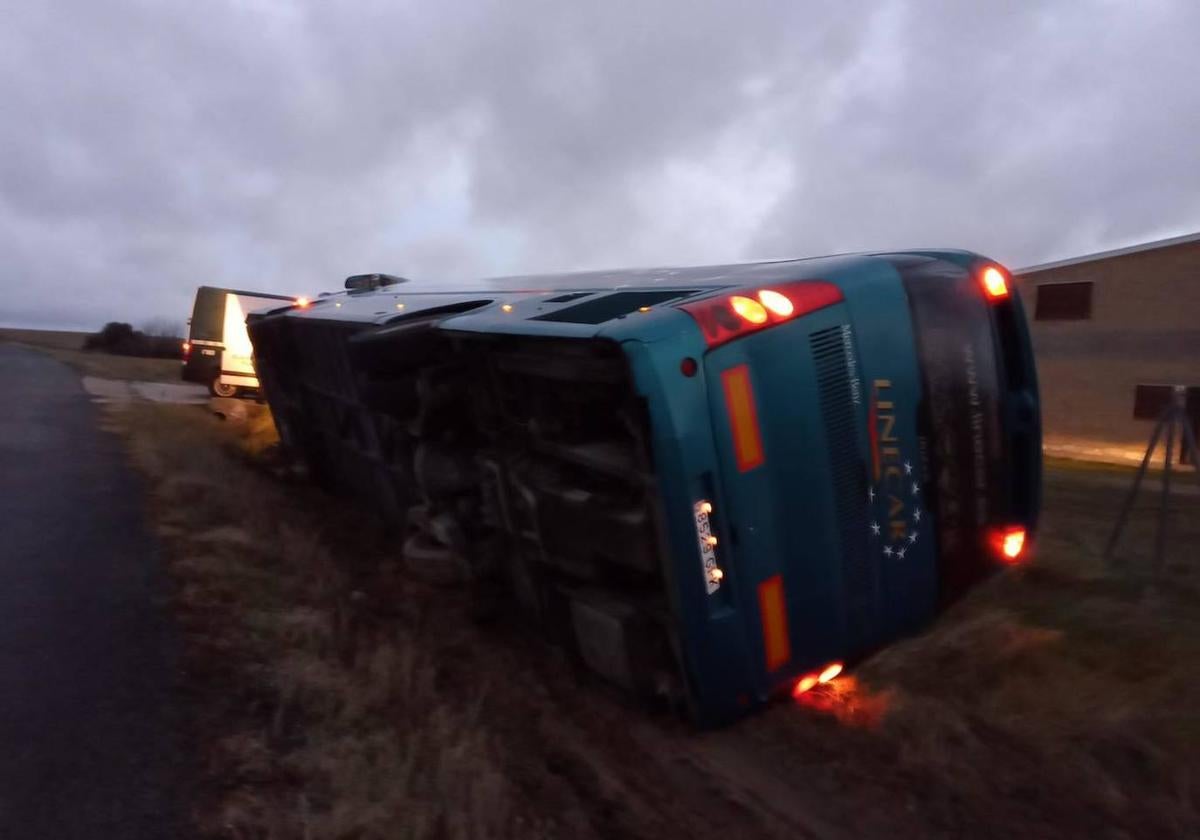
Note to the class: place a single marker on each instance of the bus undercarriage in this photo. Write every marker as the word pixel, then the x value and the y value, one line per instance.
pixel 516 465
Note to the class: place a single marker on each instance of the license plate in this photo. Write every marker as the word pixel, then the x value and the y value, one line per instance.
pixel 708 554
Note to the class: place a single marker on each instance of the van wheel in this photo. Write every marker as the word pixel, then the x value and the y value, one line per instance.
pixel 222 389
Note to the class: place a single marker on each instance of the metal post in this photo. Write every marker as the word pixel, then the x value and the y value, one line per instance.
pixel 1174 412
pixel 1189 437
pixel 1164 505
pixel 1123 516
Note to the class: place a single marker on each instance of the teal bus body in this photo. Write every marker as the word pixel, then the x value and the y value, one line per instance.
pixel 895 429
pixel 780 509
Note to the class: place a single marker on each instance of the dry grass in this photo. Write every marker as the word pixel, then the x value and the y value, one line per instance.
pixel 107 366
pixel 66 347
pixel 56 339
pixel 1059 700
pixel 339 700
pixel 321 721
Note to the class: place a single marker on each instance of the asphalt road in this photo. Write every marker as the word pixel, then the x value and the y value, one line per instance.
pixel 91 742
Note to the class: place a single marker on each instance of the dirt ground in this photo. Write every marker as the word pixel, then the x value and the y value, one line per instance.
pixel 340 699
pixel 67 347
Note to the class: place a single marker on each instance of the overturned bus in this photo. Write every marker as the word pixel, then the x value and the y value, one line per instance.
pixel 714 485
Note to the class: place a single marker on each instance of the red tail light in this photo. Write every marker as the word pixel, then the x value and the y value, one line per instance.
pixel 749 310
pixel 804 684
pixel 810 681
pixel 995 283
pixel 830 672
pixel 729 316
pixel 1008 544
pixel 187 349
pixel 777 303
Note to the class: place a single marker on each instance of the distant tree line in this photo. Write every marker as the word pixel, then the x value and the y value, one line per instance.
pixel 156 339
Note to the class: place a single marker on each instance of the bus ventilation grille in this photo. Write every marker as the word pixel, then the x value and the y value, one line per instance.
pixel 839 413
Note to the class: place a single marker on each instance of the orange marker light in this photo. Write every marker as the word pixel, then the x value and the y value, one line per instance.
pixel 303 302
pixel 772 609
pixel 777 303
pixel 994 283
pixel 706 507
pixel 748 309
pixel 507 307
pixel 743 417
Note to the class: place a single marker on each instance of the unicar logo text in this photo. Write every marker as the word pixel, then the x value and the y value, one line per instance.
pixel 894 491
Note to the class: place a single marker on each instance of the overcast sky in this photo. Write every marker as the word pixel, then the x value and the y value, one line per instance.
pixel 150 147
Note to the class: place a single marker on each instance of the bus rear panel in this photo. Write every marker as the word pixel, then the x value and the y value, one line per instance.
pixel 713 485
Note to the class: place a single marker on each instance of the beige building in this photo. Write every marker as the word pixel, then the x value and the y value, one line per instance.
pixel 1112 331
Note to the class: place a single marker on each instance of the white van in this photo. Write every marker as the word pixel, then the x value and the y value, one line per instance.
pixel 217 352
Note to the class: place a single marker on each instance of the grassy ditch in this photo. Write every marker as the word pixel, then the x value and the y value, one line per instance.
pixel 338 698
pixel 68 347
pixel 320 719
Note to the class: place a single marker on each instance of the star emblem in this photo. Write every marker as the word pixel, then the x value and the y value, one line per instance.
pixel 916 514
pixel 912 538
pixel 900 553
pixel 887 551
pixel 870 494
pixel 908 468
pixel 916 489
pixel 875 528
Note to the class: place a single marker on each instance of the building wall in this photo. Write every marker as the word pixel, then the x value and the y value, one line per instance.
pixel 1144 328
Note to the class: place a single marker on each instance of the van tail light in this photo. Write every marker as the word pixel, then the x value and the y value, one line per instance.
pixel 1008 544
pixel 187 349
pixel 994 282
pixel 728 316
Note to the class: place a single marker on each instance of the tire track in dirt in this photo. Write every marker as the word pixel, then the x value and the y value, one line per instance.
pixel 608 768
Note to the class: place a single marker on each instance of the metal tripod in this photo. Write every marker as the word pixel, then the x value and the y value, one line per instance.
pixel 1175 414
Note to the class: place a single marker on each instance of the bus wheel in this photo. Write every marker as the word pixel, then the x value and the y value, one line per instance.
pixel 222 389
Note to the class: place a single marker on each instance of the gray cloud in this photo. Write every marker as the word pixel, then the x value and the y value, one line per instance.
pixel 146 148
